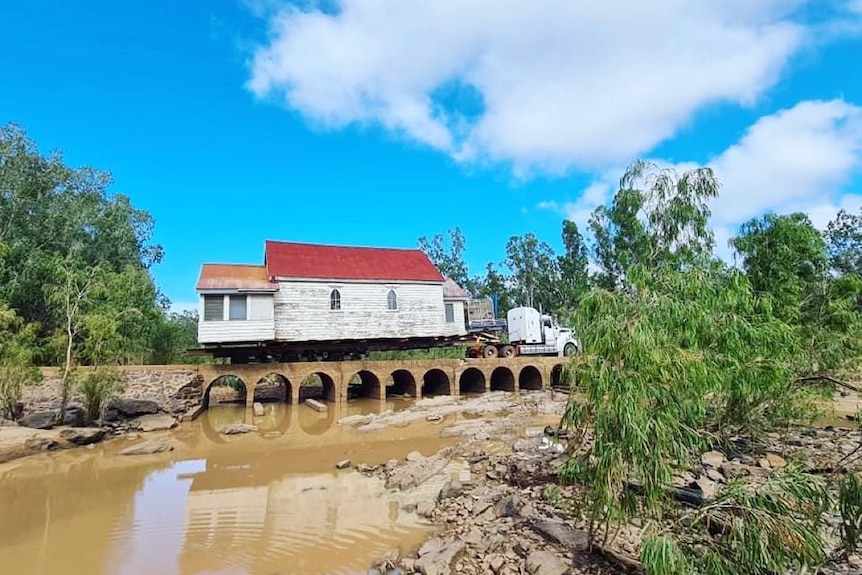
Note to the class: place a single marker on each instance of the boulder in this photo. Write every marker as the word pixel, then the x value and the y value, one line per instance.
pixel 40 444
pixel 544 563
pixel 39 420
pixel 451 490
pixel 562 534
pixel 509 506
pixel 122 408
pixel 237 428
pixel 83 435
pixel 775 461
pixel 437 555
pixel 343 464
pixel 75 415
pixel 713 458
pixel 148 448
pixel 154 422
pixel 318 406
pixel 414 456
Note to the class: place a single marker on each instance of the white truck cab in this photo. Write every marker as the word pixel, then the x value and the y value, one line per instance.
pixel 535 333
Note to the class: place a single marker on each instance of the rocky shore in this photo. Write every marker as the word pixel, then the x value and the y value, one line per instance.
pixel 38 430
pixel 500 510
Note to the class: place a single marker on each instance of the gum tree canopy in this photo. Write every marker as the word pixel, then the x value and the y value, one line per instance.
pixel 75 259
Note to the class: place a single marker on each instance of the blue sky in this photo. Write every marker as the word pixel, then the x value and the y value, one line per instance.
pixel 374 123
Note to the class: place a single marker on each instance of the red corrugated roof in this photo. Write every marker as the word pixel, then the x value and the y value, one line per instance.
pixel 314 261
pixel 234 276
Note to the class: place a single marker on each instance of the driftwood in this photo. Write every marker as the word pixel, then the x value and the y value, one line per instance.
pixel 686 495
pixel 830 379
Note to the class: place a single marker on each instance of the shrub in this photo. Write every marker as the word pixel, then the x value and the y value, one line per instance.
pixel 98 387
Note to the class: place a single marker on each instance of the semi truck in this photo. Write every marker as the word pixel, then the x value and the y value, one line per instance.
pixel 525 331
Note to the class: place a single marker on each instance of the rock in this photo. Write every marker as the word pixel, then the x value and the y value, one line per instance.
pixel 509 506
pixel 344 464
pixel 75 415
pixel 364 468
pixel 414 456
pixel 356 420
pixel 237 428
pixel 258 409
pixel 496 563
pixel 451 490
pixel 415 472
pixel 436 556
pixel 713 458
pixel 148 448
pixel 775 461
pixel 732 470
pixel 40 444
pixel 544 563
pixel 708 487
pixel 39 420
pixel 715 475
pixel 425 508
pixel 764 463
pixel 154 422
pixel 560 533
pixel 434 418
pixel 83 435
pixel 126 408
pixel 316 405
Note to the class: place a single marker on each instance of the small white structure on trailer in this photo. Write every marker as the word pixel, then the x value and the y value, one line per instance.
pixel 320 293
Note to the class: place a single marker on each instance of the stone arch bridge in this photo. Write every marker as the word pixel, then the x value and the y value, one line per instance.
pixel 339 379
pixel 379 379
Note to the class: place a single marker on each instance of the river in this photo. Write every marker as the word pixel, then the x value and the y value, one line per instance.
pixel 264 503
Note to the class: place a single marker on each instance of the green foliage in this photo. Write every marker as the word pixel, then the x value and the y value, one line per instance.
pixel 99 386
pixel 456 352
pixel 784 256
pixel 844 242
pixel 16 354
pixel 535 272
pixel 657 218
pixel 449 259
pixel 748 530
pixel 54 219
pixel 850 506
pixel 681 353
pixel 573 264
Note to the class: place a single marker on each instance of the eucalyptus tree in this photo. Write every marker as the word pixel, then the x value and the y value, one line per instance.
pixel 657 218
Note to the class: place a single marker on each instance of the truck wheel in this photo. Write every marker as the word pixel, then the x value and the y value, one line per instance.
pixel 570 350
pixel 490 351
pixel 508 351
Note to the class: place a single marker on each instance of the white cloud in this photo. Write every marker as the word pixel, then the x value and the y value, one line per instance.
pixel 799 159
pixel 548 205
pixel 563 84
pixel 794 159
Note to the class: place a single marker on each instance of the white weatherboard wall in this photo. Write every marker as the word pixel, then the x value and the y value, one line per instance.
pixel 302 311
pixel 259 326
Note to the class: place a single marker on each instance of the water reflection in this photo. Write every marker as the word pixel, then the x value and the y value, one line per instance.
pixel 266 503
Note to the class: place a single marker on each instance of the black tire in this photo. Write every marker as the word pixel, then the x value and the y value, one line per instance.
pixel 508 351
pixel 570 350
pixel 490 352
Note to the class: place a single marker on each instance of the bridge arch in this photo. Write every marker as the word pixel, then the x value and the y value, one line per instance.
pixel 402 383
pixel 236 390
pixel 502 379
pixel 436 382
pixel 318 385
pixel 559 377
pixel 530 378
pixel 273 387
pixel 365 384
pixel 472 380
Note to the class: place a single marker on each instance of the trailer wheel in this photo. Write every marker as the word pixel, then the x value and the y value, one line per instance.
pixel 570 350
pixel 508 351
pixel 490 351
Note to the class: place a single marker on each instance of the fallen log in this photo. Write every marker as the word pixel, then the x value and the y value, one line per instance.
pixel 830 379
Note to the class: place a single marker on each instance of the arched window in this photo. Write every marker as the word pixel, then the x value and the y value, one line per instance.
pixel 392 300
pixel 335 299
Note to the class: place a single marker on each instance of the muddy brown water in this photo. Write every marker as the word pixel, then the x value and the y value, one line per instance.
pixel 264 503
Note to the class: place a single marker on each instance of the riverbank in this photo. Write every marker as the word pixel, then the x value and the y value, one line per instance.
pixel 500 509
